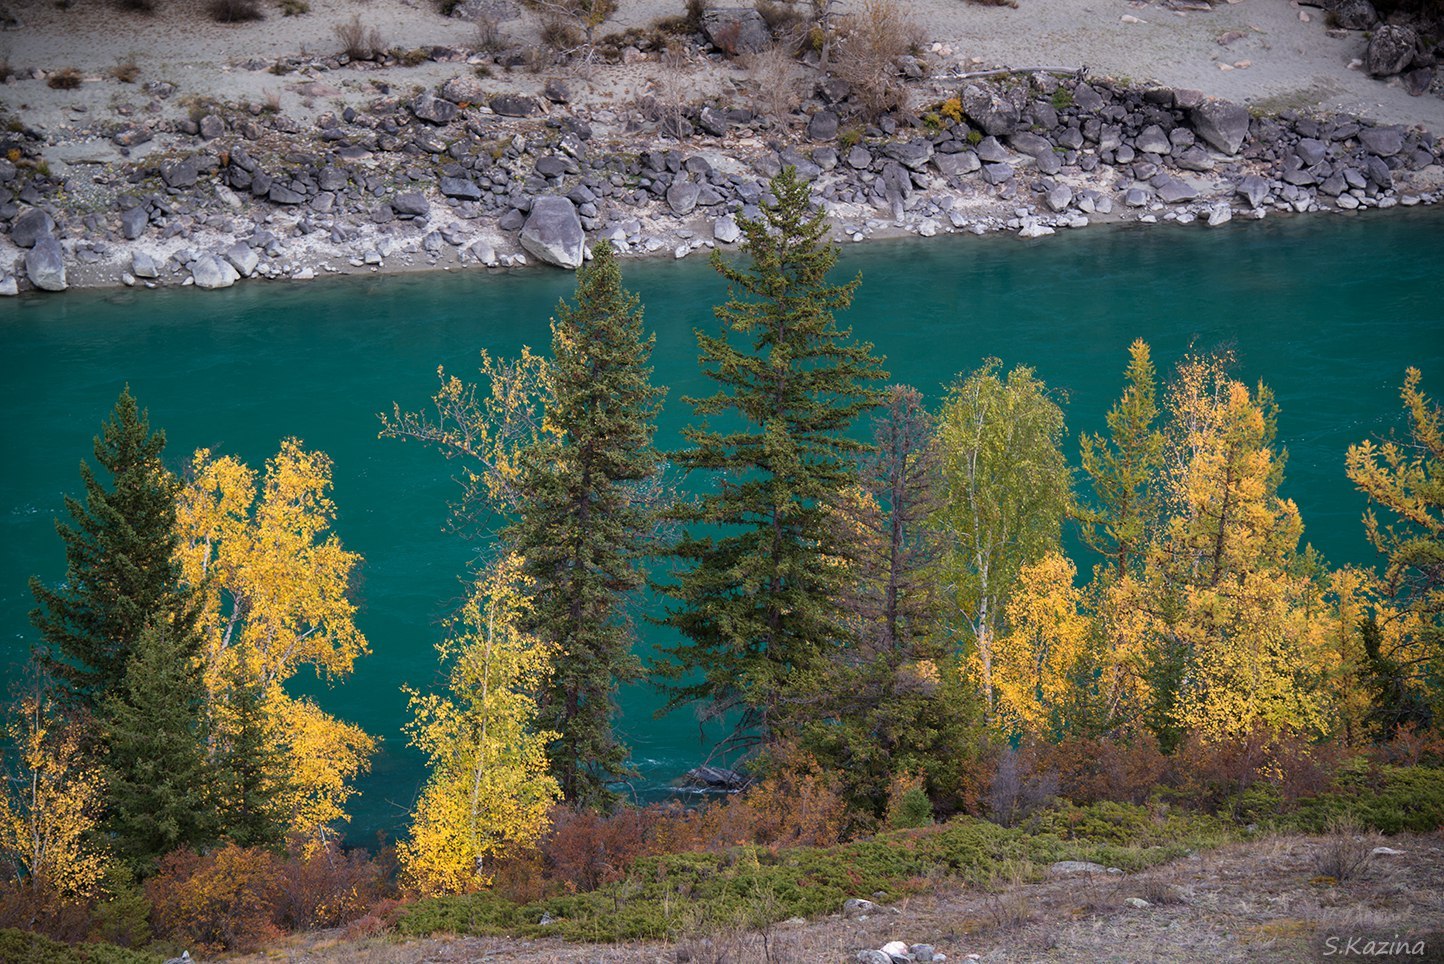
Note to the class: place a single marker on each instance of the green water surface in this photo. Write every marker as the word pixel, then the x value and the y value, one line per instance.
pixel 1328 310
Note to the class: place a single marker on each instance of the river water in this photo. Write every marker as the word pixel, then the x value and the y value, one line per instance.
pixel 1327 310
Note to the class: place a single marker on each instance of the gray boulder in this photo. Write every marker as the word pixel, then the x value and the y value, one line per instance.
pixel 1222 124
pixel 992 114
pixel 30 227
pixel 1059 198
pixel 9 286
pixel 736 30
pixel 243 258
pixel 956 165
pixel 133 222
pixel 857 907
pixel 411 204
pixel 725 230
pixel 1391 49
pixel 1310 151
pixel 1194 158
pixel 1382 141
pixel 913 155
pixel 1034 145
pixel 1174 191
pixel 1253 189
pixel 1352 14
pixel 1152 140
pixel 513 105
pixel 997 173
pixel 143 265
pixel 45 264
pixel 432 109
pixel 212 127
pixel 822 126
pixel 991 152
pixel 211 272
pixel 460 187
pixel 1086 99
pixel 281 194
pixel 553 232
pixel 682 197
pixel 181 174
pixel 869 956
pixel 1069 868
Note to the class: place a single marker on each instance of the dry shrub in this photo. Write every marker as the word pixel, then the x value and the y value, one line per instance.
pixel 1346 852
pixel 559 35
pixel 1021 785
pixel 126 71
pixel 137 6
pixel 326 886
pixel 488 37
pixel 1095 769
pixel 1412 746
pixel 223 901
pixel 696 10
pixel 589 850
pixel 873 39
pixel 1158 891
pixel 786 21
pixel 235 11
pixel 359 42
pixel 775 82
pixel 66 78
pixel 40 906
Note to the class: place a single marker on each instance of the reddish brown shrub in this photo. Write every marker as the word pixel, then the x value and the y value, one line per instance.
pixel 325 886
pixel 586 849
pixel 1094 769
pixel 40 907
pixel 1412 746
pixel 223 901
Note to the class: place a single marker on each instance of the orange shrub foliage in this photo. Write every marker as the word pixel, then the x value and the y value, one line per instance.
pixel 223 901
pixel 1091 770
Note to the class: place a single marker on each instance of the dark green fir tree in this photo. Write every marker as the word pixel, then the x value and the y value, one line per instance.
pixel 250 767
pixel 755 594
pixel 157 776
pixel 121 569
pixel 585 521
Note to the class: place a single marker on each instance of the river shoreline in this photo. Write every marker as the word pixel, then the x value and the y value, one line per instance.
pixel 366 178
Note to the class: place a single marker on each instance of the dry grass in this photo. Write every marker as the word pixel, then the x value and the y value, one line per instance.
pixel 359 42
pixel 873 39
pixel 66 78
pixel 1345 853
pixel 126 71
pixel 774 82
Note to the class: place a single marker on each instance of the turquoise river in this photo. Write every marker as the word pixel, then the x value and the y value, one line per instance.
pixel 1327 310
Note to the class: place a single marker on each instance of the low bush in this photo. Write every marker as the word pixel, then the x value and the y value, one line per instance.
pixel 66 78
pixel 31 948
pixel 358 42
pixel 126 71
pixel 752 886
pixel 235 11
pixel 222 901
pixel 1389 799
pixel 322 885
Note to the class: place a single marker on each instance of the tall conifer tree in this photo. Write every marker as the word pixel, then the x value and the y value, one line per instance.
pixel 121 569
pixel 755 596
pixel 158 778
pixel 584 521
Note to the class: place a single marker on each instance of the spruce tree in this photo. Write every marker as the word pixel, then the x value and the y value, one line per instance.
pixel 158 778
pixel 754 597
pixel 584 523
pixel 250 766
pixel 121 569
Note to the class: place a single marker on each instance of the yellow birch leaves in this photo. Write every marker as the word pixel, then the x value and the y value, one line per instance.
pixel 489 790
pixel 274 585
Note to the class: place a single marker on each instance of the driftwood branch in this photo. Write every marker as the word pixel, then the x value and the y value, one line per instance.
pixel 1003 71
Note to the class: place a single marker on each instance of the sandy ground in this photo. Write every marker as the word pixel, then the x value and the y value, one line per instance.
pixel 1279 54
pixel 1266 900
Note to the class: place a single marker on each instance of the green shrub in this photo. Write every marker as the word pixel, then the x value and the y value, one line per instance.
pixel 1389 799
pixel 1062 98
pixel 18 945
pixel 752 886
pixel 913 810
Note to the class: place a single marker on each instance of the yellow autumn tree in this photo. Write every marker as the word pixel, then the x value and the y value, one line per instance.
pixel 52 799
pixel 1043 663
pixel 274 586
pixel 488 791
pixel 1238 608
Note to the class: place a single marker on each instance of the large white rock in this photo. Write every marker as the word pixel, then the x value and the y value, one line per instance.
pixel 553 233
pixel 211 272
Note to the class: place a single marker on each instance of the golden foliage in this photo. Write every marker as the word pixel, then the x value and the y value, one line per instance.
pixel 52 801
pixel 274 591
pixel 1040 662
pixel 489 792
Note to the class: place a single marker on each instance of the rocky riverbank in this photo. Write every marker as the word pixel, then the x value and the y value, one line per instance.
pixel 451 176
